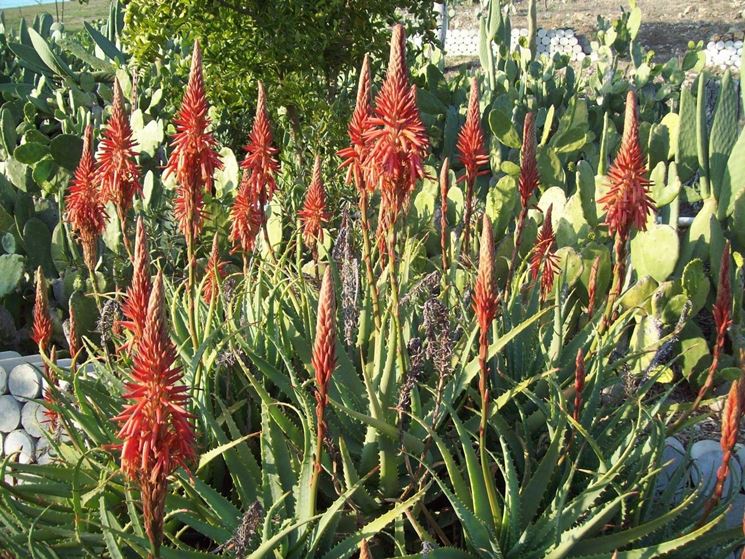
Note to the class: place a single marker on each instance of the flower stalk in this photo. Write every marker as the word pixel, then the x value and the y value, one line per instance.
pixel 444 177
pixel 527 185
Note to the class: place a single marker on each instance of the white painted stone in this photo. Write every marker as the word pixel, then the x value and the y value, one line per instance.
pixel 10 413
pixel 12 362
pixel 19 442
pixel 736 511
pixel 9 355
pixel 33 419
pixel 707 457
pixel 3 380
pixel 25 382
pixel 674 457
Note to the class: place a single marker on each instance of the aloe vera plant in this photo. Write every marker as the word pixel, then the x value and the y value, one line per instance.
pixel 343 417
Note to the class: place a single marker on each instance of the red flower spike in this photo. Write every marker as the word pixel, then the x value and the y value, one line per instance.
pixel 722 313
pixel 136 300
pixel 73 338
pixel 214 272
pixel 485 296
pixel 117 171
pixel 84 209
pixel 627 203
pixel 396 139
pixel 593 286
pixel 471 147
pixel 261 164
pixel 41 331
pixel 353 156
pixel 194 156
pixel 529 178
pixel 544 256
pixel 156 429
pixel 444 181
pixel 247 216
pixel 324 347
pixel 314 213
pixel 722 310
pixel 579 383
pixel 732 414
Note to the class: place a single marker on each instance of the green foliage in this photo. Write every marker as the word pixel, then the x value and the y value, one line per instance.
pixel 301 50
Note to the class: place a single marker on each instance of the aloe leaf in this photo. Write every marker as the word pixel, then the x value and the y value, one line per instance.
pixel 349 545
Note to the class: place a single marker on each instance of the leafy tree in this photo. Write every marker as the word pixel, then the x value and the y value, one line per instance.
pixel 303 50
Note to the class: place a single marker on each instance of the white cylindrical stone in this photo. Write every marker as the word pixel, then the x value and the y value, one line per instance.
pixel 3 380
pixel 20 444
pixel 10 413
pixel 15 354
pixel 33 419
pixel 25 382
pixel 11 362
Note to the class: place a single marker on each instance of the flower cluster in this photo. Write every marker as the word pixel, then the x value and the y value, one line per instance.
pixel 314 214
pixel 627 203
pixel 353 156
pixel 117 171
pixel 194 156
pixel 84 209
pixel 544 260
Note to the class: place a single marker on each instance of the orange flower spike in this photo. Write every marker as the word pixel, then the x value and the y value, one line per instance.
pixel 194 156
pixel 627 203
pixel 396 139
pixel 41 331
pixel 156 429
pixel 593 286
pixel 471 144
pixel 247 217
pixel 529 178
pixel 731 418
pixel 353 156
pixel 73 337
pixel 261 163
pixel 117 171
pixel 485 298
pixel 314 213
pixel 544 256
pixel 84 209
pixel 214 272
pixel 324 347
pixel 136 300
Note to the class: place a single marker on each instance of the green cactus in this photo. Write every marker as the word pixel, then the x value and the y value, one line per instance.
pixel 11 272
pixel 655 252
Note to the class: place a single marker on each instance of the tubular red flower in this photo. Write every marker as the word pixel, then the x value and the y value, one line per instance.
pixel 214 272
pixel 117 171
pixel 41 331
pixel 544 256
pixel 627 203
pixel 194 157
pixel 396 139
pixel 353 156
pixel 314 213
pixel 156 430
pixel 261 164
pixel 247 217
pixel 136 299
pixel 529 178
pixel 84 209
pixel 485 296
pixel 579 383
pixel 471 147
